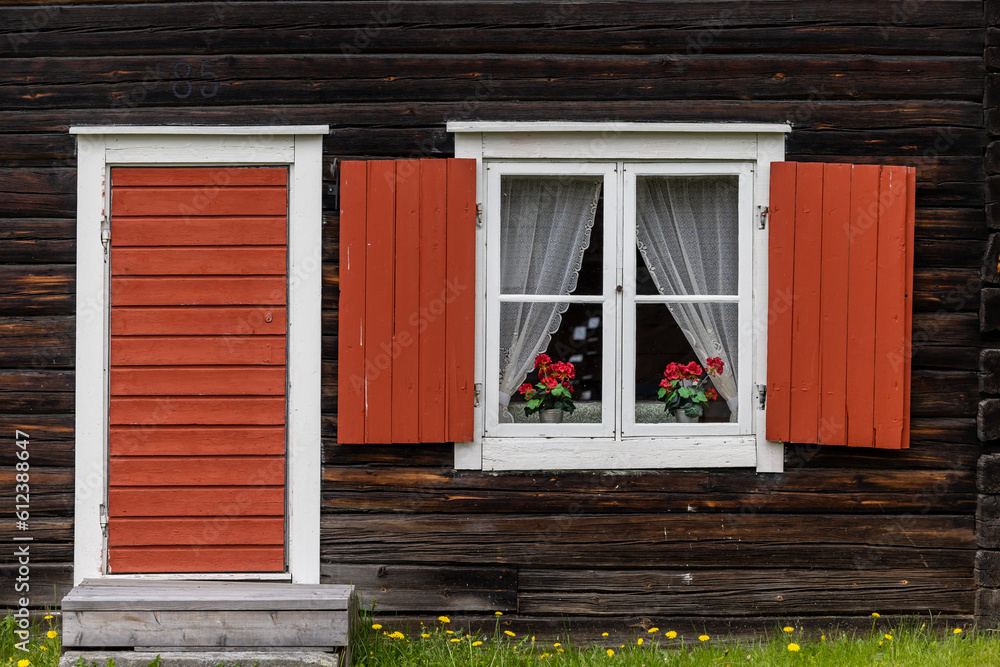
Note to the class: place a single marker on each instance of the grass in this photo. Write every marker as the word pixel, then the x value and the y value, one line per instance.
pixel 43 645
pixel 446 644
pixel 916 642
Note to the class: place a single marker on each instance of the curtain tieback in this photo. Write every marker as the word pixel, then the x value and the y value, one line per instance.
pixel 504 399
pixel 733 403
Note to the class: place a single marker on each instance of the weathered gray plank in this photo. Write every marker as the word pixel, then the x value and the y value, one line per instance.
pixel 144 595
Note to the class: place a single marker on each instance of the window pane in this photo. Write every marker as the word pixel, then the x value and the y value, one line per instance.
pixel 577 339
pixel 675 333
pixel 687 233
pixel 546 233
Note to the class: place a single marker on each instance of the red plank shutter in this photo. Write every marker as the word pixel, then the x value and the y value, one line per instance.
pixel 407 301
pixel 197 380
pixel 840 279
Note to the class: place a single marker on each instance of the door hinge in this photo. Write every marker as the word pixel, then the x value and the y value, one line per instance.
pixel 761 396
pixel 479 215
pixel 105 232
pixel 762 212
pixel 104 519
pixel 478 387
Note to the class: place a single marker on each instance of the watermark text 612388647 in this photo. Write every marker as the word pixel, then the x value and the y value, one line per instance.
pixel 21 546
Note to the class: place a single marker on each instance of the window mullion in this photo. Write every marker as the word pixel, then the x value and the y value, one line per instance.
pixel 625 272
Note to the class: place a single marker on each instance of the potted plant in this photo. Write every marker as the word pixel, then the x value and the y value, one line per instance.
pixel 683 389
pixel 553 394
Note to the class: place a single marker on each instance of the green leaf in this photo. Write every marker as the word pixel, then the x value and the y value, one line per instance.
pixel 693 410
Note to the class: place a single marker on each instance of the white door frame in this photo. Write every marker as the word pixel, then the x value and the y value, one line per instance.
pixel 300 148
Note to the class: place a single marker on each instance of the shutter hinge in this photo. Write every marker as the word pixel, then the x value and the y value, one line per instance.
pixel 762 212
pixel 478 387
pixel 761 396
pixel 104 519
pixel 479 215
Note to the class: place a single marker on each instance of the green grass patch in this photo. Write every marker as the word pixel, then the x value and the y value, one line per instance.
pixel 914 642
pixel 41 648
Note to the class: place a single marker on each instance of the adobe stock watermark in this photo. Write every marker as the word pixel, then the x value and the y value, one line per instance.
pixel 418 320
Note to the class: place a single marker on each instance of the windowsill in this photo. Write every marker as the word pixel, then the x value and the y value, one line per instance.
pixel 638 453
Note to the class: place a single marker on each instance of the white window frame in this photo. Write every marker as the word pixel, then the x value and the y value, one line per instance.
pixel 650 147
pixel 300 149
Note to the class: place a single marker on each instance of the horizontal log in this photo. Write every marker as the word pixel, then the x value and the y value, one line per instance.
pixel 37 289
pixel 921 455
pixel 423 455
pixel 929 399
pixel 408 588
pixel 730 592
pixel 684 540
pixel 40 427
pixel 44 529
pixel 816 113
pixel 47 584
pixel 460 79
pixel 795 492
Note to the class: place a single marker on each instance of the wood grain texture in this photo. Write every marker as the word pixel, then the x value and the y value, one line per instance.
pixel 191 470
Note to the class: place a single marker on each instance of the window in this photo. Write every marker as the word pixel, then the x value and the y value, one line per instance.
pixel 622 248
pixel 619 248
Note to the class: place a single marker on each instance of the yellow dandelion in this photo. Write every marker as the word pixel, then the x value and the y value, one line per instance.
pixel 509 633
pixel 793 647
pixel 376 626
pixel 788 628
pixel 425 635
pixel 51 634
pixel 876 614
pixel 543 656
pixel 556 645
pixel 639 641
pixel 44 648
pixel 957 631
pixel 398 635
pixel 48 616
pixel 532 637
pixel 498 613
pixel 822 638
pixel 560 650
pixel 610 652
pixel 23 663
pixel 672 634
pixel 444 619
pixel 456 639
pixel 604 634
pixel 703 638
pixel 888 636
pixel 652 630
pixel 477 643
pixel 880 643
pixel 449 632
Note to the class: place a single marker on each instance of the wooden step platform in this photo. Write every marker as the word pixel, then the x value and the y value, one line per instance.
pixel 161 616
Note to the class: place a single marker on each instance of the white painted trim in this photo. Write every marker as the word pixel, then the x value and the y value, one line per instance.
pixel 209 576
pixel 303 156
pixel 582 126
pixel 640 453
pixel 191 130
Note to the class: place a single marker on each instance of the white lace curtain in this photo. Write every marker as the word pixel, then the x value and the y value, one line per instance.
pixel 687 234
pixel 545 225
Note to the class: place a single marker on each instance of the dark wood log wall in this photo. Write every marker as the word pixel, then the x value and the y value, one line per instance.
pixel 840 534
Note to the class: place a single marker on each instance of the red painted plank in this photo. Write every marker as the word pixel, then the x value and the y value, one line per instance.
pixel 125 560
pixel 911 187
pixel 351 333
pixel 197 501
pixel 204 350
pixel 833 297
pixel 214 231
pixel 215 176
pixel 405 363
pixel 890 309
pixel 431 326
pixel 197 291
pixel 196 531
pixel 198 381
pixel 197 471
pixel 202 440
pixel 781 263
pixel 213 410
pixel 805 395
pixel 862 280
pixel 182 261
pixel 460 333
pixel 379 283
pixel 188 202
pixel 198 321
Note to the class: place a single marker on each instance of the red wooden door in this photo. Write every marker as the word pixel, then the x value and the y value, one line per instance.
pixel 197 370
